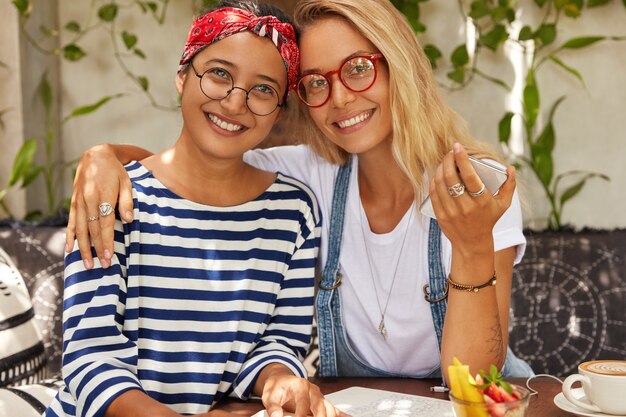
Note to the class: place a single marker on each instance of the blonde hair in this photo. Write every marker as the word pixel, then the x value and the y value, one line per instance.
pixel 424 126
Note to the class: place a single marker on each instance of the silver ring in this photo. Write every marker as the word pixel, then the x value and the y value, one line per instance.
pixel 456 190
pixel 93 218
pixel 478 193
pixel 105 209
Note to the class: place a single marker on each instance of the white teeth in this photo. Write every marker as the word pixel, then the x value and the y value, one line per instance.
pixel 225 125
pixel 356 119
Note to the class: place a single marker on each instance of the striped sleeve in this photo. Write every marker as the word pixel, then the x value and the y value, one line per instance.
pixel 288 334
pixel 99 361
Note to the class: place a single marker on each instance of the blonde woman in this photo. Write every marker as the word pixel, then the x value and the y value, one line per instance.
pixel 380 138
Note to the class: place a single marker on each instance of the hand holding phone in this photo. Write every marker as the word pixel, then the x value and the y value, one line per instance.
pixel 491 175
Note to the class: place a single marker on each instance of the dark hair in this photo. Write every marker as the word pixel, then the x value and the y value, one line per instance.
pixel 263 9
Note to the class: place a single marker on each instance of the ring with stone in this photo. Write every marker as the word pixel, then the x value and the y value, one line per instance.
pixel 105 209
pixel 456 190
pixel 93 218
pixel 479 192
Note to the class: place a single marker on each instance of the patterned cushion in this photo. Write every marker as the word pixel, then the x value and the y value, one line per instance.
pixel 28 400
pixel 568 302
pixel 22 357
pixel 37 251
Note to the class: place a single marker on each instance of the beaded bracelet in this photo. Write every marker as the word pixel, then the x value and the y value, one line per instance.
pixel 472 288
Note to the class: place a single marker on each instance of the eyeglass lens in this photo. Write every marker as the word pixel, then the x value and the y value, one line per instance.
pixel 357 74
pixel 217 84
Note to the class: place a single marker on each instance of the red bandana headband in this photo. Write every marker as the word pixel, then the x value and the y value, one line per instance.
pixel 221 23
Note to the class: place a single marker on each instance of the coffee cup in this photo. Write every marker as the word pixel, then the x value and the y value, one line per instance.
pixel 604 384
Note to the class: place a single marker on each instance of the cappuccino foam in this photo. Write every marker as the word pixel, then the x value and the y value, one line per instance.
pixel 605 367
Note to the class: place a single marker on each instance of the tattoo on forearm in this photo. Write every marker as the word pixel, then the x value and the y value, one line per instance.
pixel 496 341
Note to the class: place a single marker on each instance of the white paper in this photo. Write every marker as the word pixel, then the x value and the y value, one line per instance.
pixel 367 402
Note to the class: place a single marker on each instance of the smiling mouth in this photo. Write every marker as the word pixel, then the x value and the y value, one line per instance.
pixel 230 127
pixel 354 120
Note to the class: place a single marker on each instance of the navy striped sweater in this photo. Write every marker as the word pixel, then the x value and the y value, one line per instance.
pixel 197 301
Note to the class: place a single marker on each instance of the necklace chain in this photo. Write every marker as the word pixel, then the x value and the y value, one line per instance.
pixel 381 326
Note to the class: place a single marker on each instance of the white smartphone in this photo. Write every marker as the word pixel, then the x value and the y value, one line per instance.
pixel 491 175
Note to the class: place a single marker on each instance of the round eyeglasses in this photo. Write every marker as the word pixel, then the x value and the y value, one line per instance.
pixel 357 74
pixel 216 83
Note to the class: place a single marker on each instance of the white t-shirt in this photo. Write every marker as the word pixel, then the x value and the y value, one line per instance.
pixel 411 345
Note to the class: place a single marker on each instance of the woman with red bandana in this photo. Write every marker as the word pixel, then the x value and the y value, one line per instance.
pixel 401 294
pixel 209 290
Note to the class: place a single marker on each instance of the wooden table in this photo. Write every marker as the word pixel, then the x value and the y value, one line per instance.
pixel 541 405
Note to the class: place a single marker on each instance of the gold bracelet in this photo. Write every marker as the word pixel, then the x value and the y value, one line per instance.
pixel 472 288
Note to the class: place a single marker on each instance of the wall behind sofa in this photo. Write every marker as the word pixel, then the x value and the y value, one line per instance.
pixel 589 129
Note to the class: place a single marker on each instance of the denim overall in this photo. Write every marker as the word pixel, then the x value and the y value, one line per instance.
pixel 337 358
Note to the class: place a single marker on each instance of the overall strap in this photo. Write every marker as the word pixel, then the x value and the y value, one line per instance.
pixel 436 279
pixel 331 277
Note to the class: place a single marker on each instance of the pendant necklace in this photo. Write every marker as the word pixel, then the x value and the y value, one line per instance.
pixel 381 326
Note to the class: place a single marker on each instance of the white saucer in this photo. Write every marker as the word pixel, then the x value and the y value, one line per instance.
pixel 564 404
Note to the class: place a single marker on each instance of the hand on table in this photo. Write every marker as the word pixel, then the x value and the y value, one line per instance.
pixel 286 394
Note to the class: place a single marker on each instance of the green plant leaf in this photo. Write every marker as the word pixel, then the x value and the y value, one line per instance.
pixel 542 165
pixel 545 141
pixel 143 82
pixel 129 39
pixel 108 12
pixel 572 10
pixel 531 100
pixel 139 53
pixel 459 57
pixel 458 75
pixel 478 9
pixel 494 37
pixel 48 32
pixel 152 6
pixel 504 127
pixel 547 33
pixel 526 33
pixel 596 3
pixel 417 26
pixel 81 111
pixel 44 90
pixel 581 42
pixel 502 13
pixel 73 52
pixel 411 10
pixel 33 216
pixel 540 3
pixel 31 175
pixel 2 113
pixel 23 160
pixel 572 191
pixel 433 53
pixel 23 7
pixel 72 26
pixel 567 68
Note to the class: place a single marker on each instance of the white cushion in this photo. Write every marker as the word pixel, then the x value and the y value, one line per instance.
pixel 28 400
pixel 22 355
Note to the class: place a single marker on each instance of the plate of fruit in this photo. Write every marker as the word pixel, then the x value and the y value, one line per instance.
pixel 485 395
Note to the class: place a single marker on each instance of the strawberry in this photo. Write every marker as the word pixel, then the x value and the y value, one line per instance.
pixel 494 386
pixel 506 397
pixel 492 391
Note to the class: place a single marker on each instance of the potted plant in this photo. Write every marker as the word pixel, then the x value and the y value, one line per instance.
pixel 569 291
